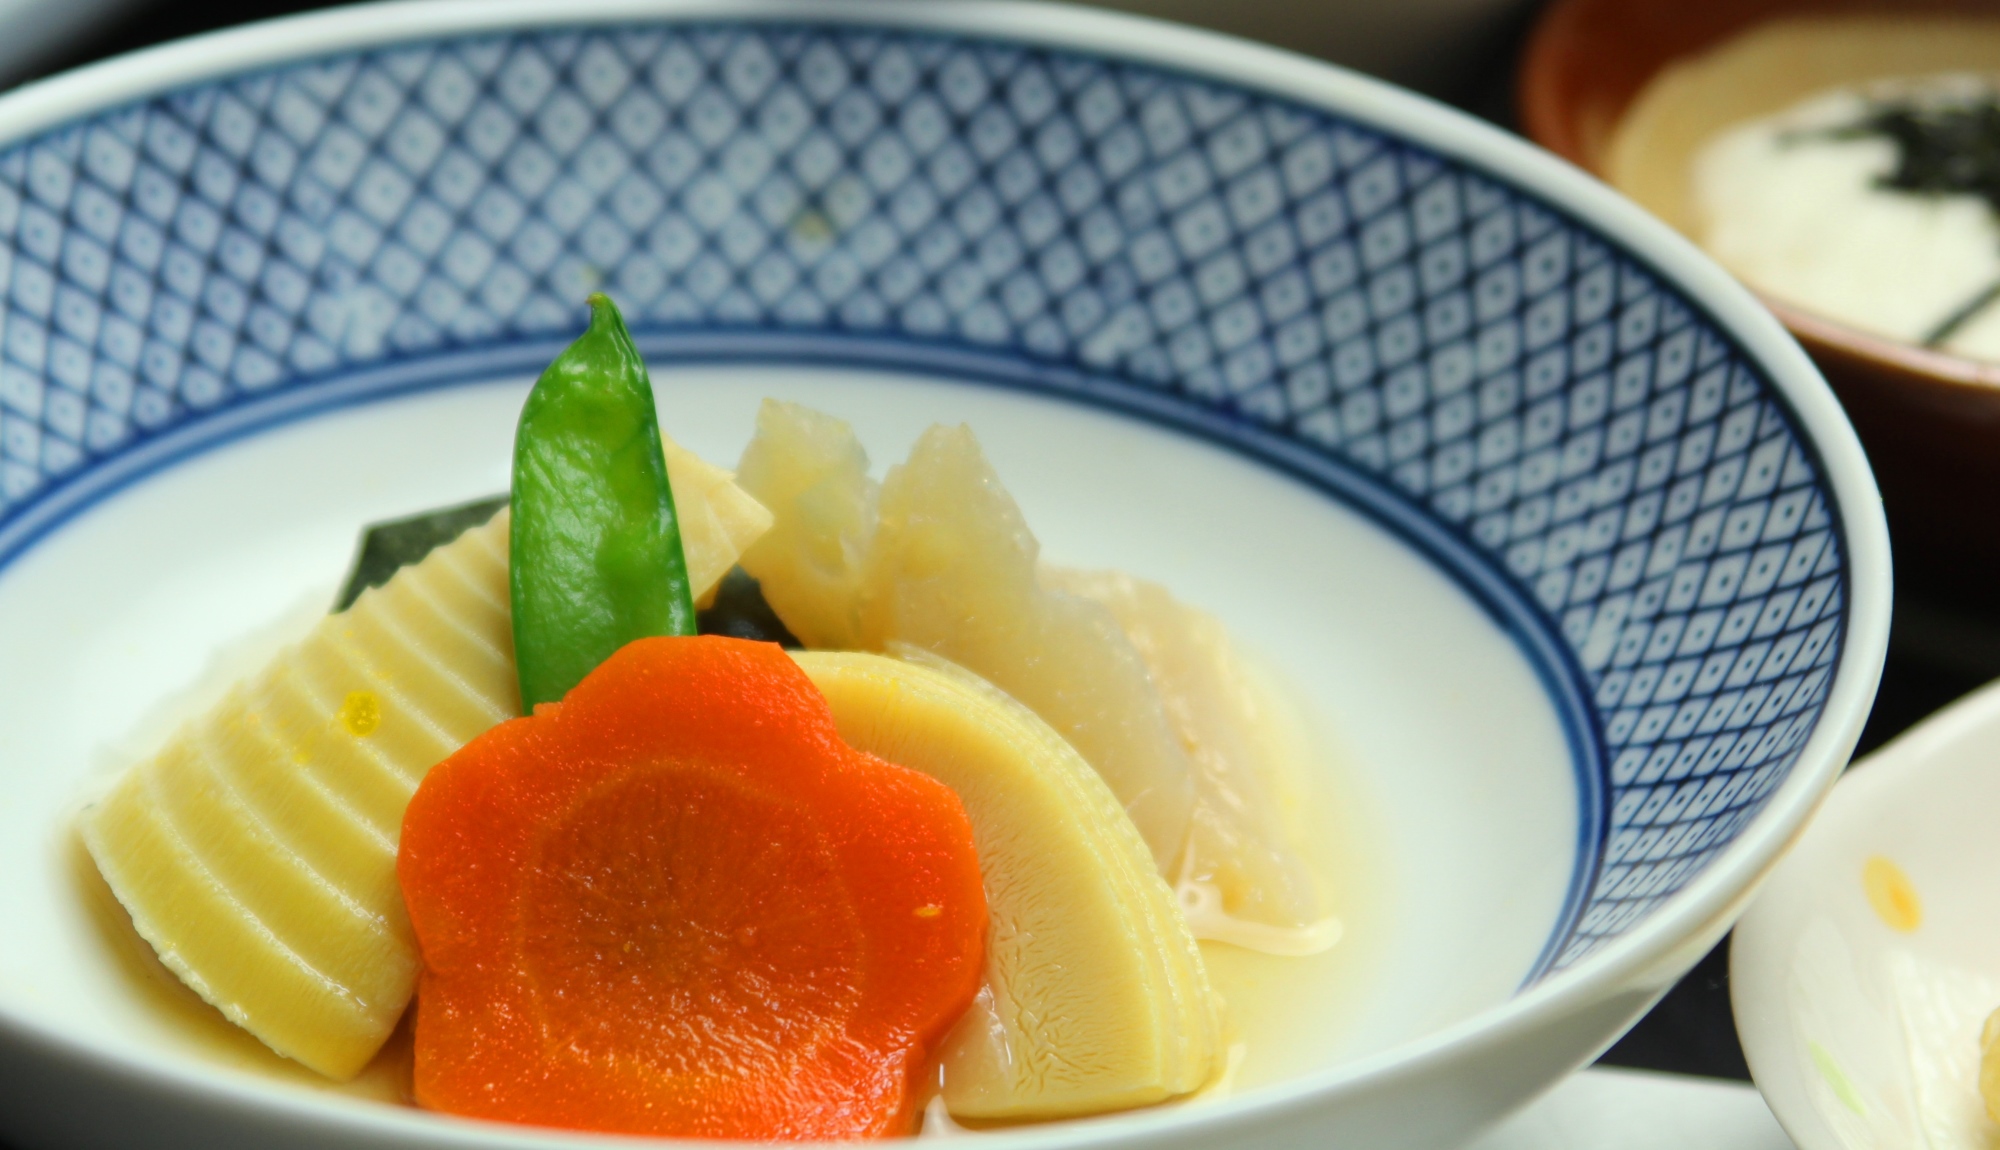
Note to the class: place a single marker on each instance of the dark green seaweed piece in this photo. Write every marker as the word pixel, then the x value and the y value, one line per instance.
pixel 387 548
pixel 740 612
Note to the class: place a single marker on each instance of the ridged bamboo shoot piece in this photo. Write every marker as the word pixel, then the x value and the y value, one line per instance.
pixel 256 852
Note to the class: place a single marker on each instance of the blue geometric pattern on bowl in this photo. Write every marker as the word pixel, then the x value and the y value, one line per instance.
pixel 1475 355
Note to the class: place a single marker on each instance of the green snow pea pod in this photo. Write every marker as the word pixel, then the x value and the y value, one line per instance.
pixel 596 557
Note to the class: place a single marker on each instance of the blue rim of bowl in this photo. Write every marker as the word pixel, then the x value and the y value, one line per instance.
pixel 1703 288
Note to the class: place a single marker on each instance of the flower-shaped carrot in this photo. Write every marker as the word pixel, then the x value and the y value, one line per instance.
pixel 676 903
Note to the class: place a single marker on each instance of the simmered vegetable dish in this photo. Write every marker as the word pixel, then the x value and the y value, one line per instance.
pixel 552 773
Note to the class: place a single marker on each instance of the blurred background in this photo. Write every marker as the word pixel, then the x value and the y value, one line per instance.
pixel 1562 72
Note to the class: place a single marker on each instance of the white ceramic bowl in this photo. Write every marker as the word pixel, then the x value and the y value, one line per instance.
pixel 1564 540
pixel 1861 1017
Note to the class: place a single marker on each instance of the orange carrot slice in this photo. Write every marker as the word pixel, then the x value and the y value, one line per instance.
pixel 675 903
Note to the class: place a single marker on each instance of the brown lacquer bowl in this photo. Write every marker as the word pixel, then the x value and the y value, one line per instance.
pixel 1930 421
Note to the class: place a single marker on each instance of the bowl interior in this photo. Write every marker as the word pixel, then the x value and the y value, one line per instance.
pixel 243 546
pixel 1544 544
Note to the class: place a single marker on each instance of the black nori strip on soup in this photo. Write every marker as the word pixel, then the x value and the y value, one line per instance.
pixel 1941 149
pixel 739 610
